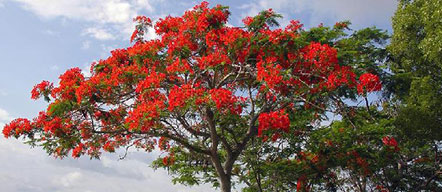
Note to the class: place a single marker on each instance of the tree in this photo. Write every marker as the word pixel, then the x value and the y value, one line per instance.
pixel 417 64
pixel 204 92
pixel 416 88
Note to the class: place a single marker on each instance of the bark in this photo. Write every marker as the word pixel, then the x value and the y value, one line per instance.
pixel 226 184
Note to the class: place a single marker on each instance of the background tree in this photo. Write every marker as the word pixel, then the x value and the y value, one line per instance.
pixel 416 85
pixel 219 100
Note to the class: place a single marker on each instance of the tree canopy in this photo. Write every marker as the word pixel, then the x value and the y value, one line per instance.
pixel 273 108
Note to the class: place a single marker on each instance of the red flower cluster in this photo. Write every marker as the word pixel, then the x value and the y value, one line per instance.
pixel 109 146
pixel 145 114
pixel 77 151
pixel 179 65
pixel 315 67
pixel 250 21
pixel 381 188
pixel 84 90
pixel 17 127
pixel 276 120
pixel 213 59
pixel 41 88
pixel 360 162
pixel 178 96
pixel 153 80
pixel 224 99
pixel 53 125
pixel 269 72
pixel 163 144
pixel 343 76
pixel 210 17
pixel 142 23
pixel 321 57
pixel 391 142
pixel 68 82
pixel 341 25
pixel 294 26
pixel 247 21
pixel 301 184
pixel 368 83
pixel 169 160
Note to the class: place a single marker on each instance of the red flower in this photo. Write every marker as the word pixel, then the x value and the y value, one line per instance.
pixel 109 146
pixel 52 125
pixel 270 73
pixel 169 160
pixel 321 57
pixel 368 82
pixel 142 19
pixel 343 76
pixel 276 120
pixel 179 65
pixel 382 188
pixel 145 114
pixel 293 26
pixel 134 35
pixel 178 96
pixel 163 144
pixel 142 23
pixel 391 142
pixel 68 82
pixel 224 99
pixel 41 88
pixel 247 21
pixel 213 60
pixel 341 25
pixel 153 80
pixel 17 127
pixel 77 151
pixel 84 90
pixel 300 185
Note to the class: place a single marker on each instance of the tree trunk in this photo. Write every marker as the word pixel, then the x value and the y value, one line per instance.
pixel 223 177
pixel 226 184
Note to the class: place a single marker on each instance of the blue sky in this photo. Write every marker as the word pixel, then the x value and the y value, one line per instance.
pixel 40 39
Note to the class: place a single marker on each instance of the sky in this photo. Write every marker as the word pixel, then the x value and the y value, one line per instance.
pixel 40 39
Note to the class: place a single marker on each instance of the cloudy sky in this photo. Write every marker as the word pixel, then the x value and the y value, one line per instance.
pixel 40 39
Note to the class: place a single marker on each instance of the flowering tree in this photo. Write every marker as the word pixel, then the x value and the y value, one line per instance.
pixel 203 92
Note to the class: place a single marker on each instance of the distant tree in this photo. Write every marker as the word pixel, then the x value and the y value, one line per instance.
pixel 416 88
pixel 221 100
pixel 416 49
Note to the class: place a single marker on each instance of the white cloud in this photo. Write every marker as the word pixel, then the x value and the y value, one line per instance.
pixel 151 34
pixel 103 11
pixel 145 4
pixel 86 70
pixel 4 117
pixel 69 179
pixel 86 45
pixel 30 169
pixel 98 33
pixel 110 15
pixel 106 49
pixel 50 32
pixel 54 68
